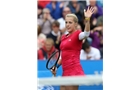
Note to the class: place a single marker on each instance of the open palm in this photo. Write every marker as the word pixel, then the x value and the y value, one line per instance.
pixel 89 12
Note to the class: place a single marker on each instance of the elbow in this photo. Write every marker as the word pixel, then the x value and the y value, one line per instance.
pixel 87 33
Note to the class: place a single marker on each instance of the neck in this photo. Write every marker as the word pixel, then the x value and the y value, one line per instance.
pixel 72 31
pixel 56 32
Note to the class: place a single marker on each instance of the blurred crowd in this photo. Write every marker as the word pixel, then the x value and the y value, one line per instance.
pixel 51 26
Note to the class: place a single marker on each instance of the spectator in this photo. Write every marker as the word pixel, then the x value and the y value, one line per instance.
pixel 98 9
pixel 78 9
pixel 98 13
pixel 89 53
pixel 40 39
pixel 97 36
pixel 46 21
pixel 45 52
pixel 61 20
pixel 55 34
pixel 55 8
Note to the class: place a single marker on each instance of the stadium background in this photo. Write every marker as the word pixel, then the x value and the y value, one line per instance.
pixel 89 66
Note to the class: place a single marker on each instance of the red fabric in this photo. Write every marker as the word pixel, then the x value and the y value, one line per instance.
pixel 70 47
pixel 43 3
pixel 49 53
pixel 40 55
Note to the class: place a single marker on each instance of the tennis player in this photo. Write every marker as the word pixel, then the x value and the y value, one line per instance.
pixel 71 45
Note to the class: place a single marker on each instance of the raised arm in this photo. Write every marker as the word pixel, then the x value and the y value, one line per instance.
pixel 87 13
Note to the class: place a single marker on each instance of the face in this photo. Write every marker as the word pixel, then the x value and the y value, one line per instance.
pixel 46 14
pixel 70 24
pixel 66 11
pixel 55 28
pixel 74 3
pixel 87 50
pixel 48 45
pixel 92 2
pixel 40 43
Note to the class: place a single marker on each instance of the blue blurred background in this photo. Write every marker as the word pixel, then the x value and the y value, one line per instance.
pixel 90 67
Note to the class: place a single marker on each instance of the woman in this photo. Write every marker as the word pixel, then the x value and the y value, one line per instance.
pixel 71 45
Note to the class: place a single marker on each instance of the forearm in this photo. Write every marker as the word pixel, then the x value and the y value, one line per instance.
pixel 87 24
pixel 86 32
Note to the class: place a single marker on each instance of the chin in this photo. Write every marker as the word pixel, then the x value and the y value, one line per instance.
pixel 70 30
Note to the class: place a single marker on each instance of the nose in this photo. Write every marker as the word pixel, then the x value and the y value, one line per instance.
pixel 67 25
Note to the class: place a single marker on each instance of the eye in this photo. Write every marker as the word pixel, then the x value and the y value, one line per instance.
pixel 66 22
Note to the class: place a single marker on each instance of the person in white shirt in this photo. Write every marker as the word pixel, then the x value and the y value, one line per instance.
pixel 89 53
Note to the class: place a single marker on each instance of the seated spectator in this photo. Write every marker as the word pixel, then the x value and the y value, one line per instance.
pixel 45 52
pixel 89 53
pixel 61 20
pixel 97 36
pixel 55 34
pixel 45 22
pixel 41 38
pixel 55 8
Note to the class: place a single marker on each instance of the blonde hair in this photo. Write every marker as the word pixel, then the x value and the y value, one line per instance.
pixel 50 40
pixel 74 17
pixel 41 36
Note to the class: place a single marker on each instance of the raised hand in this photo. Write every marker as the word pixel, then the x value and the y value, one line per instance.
pixel 89 12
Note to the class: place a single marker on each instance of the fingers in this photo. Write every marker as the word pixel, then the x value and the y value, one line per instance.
pixel 88 8
pixel 92 10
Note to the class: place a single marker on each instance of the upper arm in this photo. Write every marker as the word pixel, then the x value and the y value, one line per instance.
pixel 84 35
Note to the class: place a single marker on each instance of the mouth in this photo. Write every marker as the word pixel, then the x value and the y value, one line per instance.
pixel 68 28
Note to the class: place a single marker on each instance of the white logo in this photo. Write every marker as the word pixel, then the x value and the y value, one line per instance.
pixel 69 39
